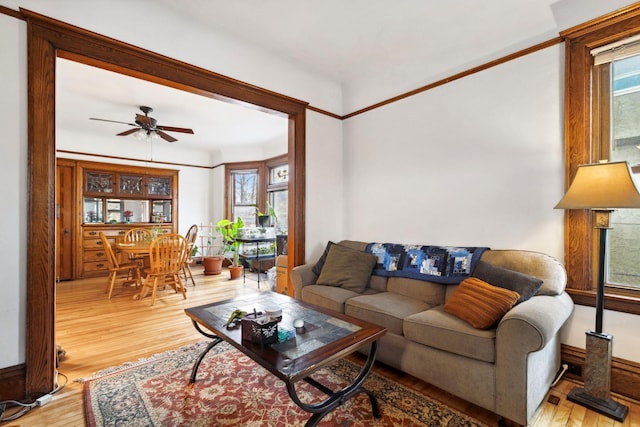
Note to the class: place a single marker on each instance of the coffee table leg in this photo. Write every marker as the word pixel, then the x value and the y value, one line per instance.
pixel 320 410
pixel 196 365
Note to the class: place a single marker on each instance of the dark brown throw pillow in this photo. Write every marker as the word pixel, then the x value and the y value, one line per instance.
pixel 525 285
pixel 480 304
pixel 318 267
pixel 348 268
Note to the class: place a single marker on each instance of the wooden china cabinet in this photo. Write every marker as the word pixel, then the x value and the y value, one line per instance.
pixel 112 199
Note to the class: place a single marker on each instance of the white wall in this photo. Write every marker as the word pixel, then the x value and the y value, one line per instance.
pixel 324 191
pixel 479 161
pixel 13 191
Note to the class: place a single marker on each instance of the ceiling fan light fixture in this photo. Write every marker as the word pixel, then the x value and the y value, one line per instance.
pixel 140 135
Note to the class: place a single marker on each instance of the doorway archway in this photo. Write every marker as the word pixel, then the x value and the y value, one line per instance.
pixel 47 39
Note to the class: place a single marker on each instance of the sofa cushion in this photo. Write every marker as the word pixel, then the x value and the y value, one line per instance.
pixel 323 258
pixel 429 292
pixel 525 285
pixel 379 283
pixel 479 303
pixel 386 309
pixel 438 329
pixel 347 268
pixel 535 264
pixel 327 296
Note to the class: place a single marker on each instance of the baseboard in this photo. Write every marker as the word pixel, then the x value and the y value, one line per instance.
pixel 12 382
pixel 625 374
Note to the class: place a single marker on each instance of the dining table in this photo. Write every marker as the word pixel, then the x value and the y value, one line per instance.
pixel 139 250
pixel 135 248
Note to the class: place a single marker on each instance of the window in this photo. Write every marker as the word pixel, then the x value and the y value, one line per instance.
pixel 253 184
pixel 589 100
pixel 617 92
pixel 244 195
pixel 278 194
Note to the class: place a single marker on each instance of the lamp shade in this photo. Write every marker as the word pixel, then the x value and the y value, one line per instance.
pixel 601 186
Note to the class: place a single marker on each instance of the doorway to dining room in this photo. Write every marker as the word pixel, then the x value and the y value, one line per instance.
pixel 48 39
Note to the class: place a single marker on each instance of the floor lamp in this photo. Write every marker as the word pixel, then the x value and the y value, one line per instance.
pixel 600 187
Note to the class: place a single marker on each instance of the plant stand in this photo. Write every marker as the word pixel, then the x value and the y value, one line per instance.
pixel 257 242
pixel 209 248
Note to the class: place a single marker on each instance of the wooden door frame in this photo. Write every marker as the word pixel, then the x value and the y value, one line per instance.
pixel 48 39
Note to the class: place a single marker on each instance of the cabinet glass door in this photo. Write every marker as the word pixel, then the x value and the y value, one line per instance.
pixel 92 210
pixel 159 186
pixel 99 183
pixel 131 185
pixel 161 211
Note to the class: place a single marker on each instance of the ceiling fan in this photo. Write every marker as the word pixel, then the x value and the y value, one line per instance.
pixel 148 126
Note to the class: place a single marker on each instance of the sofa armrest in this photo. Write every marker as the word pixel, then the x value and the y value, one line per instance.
pixel 301 276
pixel 527 353
pixel 533 323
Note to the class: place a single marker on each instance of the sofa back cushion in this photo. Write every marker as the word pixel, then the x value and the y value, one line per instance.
pixel 348 268
pixel 536 264
pixel 428 292
pixel 523 284
pixel 377 283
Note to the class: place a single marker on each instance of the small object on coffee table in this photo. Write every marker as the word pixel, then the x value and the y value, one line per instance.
pixel 273 313
pixel 299 325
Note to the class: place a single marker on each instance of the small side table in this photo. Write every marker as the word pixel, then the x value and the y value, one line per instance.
pixel 257 241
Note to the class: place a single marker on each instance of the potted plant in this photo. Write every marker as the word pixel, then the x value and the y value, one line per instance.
pixel 212 259
pixel 264 217
pixel 230 244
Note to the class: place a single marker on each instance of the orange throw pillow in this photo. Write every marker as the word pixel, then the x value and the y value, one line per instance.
pixel 480 304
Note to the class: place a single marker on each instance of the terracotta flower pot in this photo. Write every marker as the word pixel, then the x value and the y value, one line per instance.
pixel 212 265
pixel 235 271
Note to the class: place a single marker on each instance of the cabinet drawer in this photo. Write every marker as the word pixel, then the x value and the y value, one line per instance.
pixel 95 255
pixel 96 266
pixel 89 234
pixel 95 243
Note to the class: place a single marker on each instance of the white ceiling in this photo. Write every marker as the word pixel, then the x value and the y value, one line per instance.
pixel 374 49
pixel 84 92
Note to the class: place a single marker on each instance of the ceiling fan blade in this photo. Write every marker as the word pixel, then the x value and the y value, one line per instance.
pixel 128 132
pixel 166 137
pixel 174 129
pixel 113 121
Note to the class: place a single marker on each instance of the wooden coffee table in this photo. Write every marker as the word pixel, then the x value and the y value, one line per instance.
pixel 327 337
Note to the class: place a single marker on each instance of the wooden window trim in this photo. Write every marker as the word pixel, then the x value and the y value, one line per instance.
pixel 263 180
pixel 579 234
pixel 230 168
pixel 270 164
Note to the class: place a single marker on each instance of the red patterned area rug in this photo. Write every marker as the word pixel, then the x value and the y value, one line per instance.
pixel 233 390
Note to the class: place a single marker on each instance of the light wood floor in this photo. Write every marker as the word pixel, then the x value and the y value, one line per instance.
pixel 98 333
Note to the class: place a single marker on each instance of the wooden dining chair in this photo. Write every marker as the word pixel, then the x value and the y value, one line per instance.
pixel 135 235
pixel 167 255
pixel 191 236
pixel 115 267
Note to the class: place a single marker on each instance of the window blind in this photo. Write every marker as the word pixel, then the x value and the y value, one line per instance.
pixel 618 50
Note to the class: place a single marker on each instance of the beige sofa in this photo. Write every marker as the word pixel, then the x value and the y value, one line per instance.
pixel 506 369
